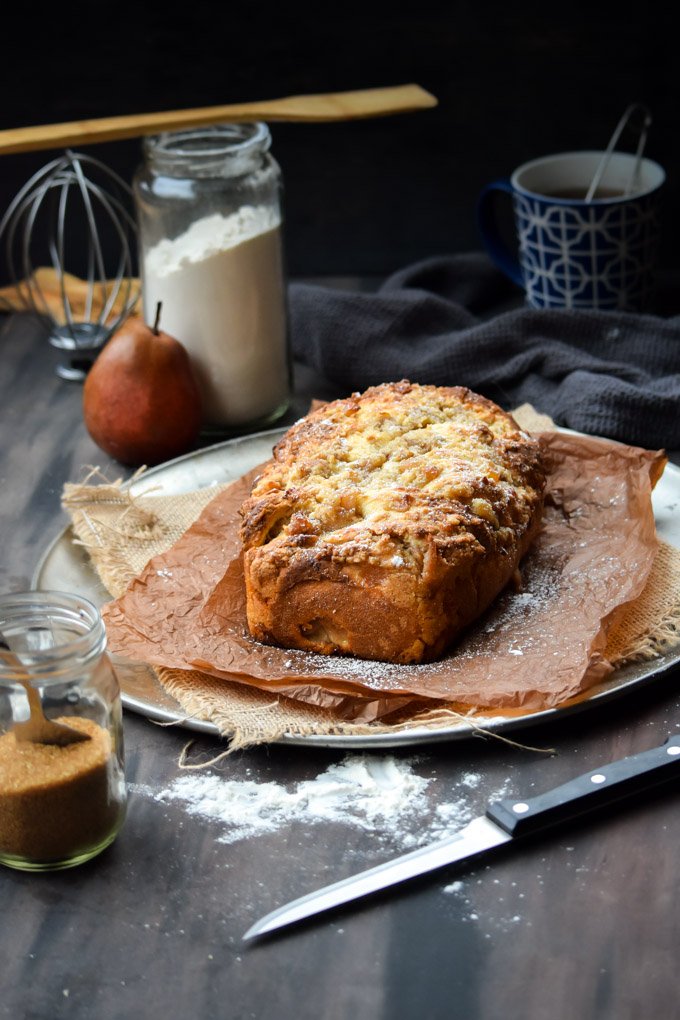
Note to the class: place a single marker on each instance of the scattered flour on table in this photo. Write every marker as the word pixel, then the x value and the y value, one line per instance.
pixel 493 905
pixel 383 795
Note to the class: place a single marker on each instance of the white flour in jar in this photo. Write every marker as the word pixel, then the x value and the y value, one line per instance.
pixel 222 288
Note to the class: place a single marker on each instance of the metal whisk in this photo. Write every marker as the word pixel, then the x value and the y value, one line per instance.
pixel 73 204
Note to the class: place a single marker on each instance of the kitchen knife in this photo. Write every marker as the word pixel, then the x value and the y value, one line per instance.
pixel 504 822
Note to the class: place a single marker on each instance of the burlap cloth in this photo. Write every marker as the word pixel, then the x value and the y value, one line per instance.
pixel 121 533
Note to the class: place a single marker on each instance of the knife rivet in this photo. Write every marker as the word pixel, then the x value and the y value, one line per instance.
pixel 520 808
pixel 675 749
pixel 598 778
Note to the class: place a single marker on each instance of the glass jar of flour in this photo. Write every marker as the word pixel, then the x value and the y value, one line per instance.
pixel 209 212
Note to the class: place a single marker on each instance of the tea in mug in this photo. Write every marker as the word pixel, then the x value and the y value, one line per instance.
pixel 579 194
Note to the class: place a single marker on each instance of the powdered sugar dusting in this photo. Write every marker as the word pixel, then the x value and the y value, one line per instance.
pixel 512 627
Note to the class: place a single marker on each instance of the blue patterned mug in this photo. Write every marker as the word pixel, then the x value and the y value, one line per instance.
pixel 579 250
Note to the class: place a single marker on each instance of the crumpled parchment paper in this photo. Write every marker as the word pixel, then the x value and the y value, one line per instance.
pixel 533 649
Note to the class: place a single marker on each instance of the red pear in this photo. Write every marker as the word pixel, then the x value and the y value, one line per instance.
pixel 141 402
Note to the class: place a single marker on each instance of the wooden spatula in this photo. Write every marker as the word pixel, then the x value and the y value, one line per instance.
pixel 330 106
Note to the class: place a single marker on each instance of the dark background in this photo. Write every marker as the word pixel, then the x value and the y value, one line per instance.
pixel 514 81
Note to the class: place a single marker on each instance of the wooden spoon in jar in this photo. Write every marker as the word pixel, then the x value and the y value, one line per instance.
pixel 37 729
pixel 331 106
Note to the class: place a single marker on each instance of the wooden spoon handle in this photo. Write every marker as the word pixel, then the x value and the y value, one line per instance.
pixel 313 108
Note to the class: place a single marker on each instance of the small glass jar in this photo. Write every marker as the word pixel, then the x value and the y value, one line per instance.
pixel 210 251
pixel 60 804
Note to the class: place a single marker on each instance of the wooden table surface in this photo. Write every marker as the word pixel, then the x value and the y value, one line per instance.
pixel 579 923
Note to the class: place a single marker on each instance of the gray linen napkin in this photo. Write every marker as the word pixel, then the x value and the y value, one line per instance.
pixel 448 321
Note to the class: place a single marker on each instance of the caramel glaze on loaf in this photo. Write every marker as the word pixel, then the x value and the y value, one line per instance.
pixel 388 521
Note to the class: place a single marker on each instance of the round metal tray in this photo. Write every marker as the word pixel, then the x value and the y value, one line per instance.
pixel 65 566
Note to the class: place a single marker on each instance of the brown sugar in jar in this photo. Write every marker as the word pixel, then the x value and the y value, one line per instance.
pixel 60 804
pixel 55 802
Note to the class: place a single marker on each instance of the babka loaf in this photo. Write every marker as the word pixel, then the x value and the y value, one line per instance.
pixel 388 521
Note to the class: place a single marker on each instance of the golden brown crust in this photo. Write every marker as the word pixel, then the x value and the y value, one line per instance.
pixel 388 521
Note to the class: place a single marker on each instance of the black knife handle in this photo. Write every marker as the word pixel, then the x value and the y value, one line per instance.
pixel 592 790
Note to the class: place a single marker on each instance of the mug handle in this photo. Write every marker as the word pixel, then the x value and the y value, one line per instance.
pixel 488 228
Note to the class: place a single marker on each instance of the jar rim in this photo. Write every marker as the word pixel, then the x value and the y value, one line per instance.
pixel 209 142
pixel 36 608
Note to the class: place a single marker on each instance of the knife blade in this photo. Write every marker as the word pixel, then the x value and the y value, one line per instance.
pixel 504 822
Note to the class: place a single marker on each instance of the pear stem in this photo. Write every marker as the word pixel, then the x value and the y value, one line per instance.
pixel 158 317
